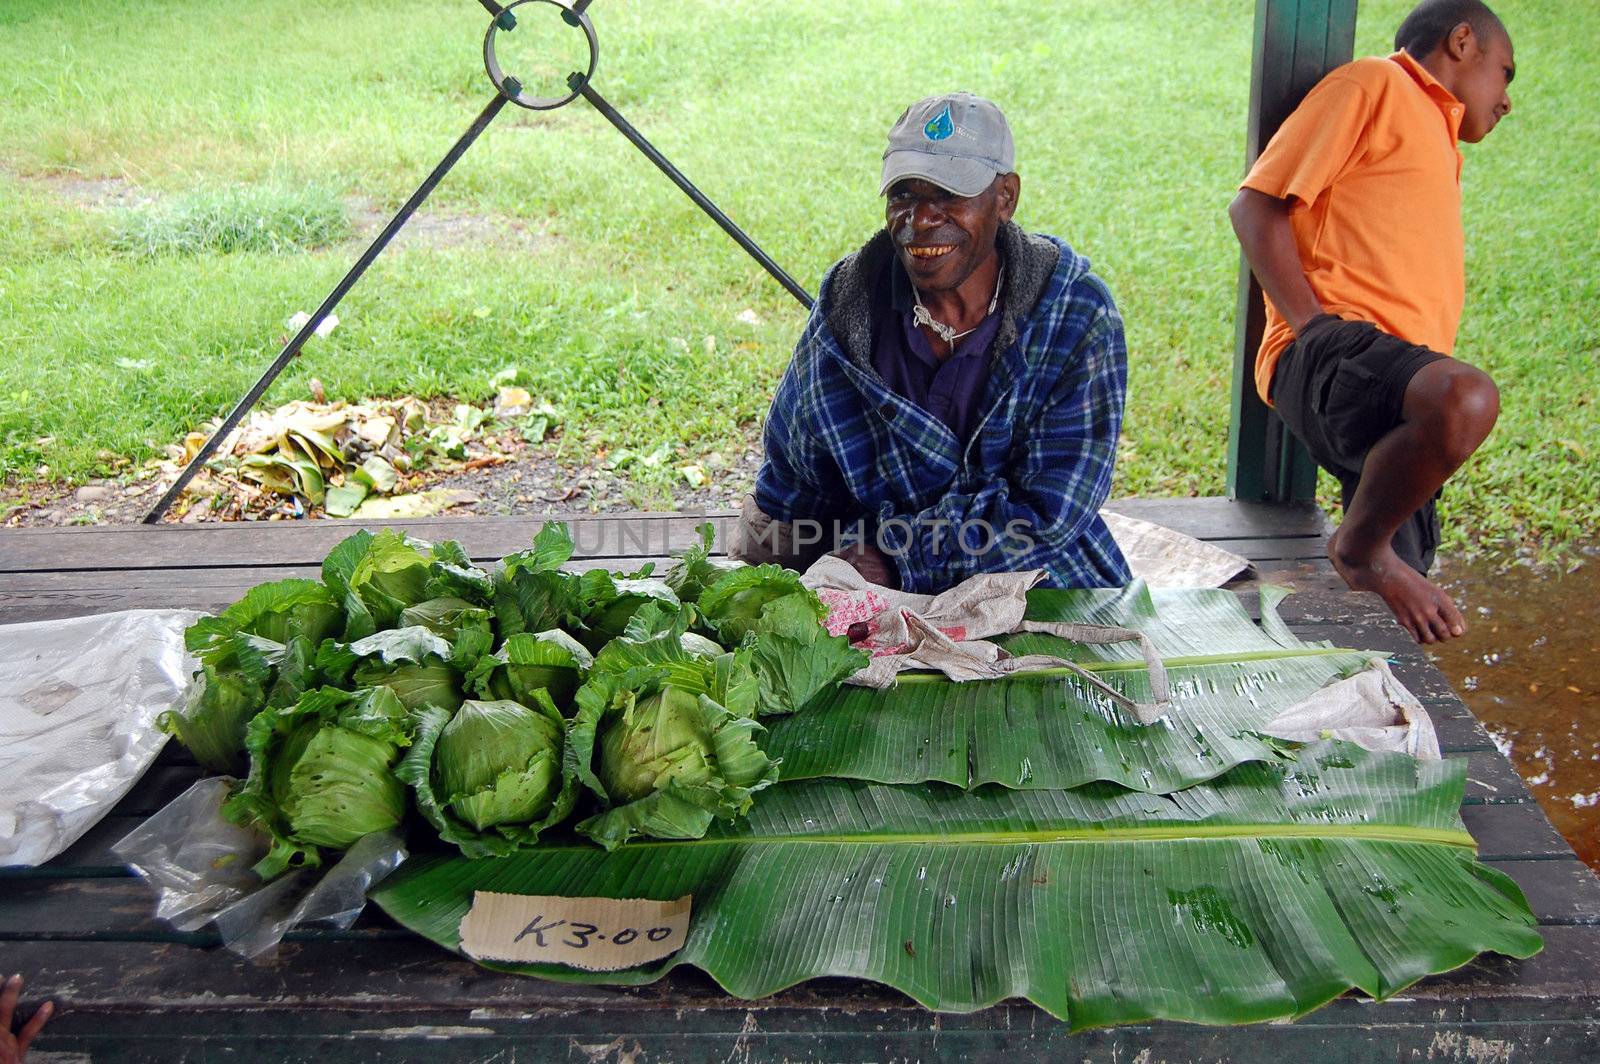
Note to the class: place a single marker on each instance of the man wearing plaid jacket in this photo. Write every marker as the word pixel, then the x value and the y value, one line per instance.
pixel 953 405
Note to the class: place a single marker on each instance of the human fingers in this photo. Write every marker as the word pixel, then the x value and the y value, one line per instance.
pixel 8 1000
pixel 34 1025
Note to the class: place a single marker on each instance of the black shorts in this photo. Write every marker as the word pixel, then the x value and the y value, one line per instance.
pixel 1340 387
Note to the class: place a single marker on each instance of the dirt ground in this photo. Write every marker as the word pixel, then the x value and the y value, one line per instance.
pixel 529 481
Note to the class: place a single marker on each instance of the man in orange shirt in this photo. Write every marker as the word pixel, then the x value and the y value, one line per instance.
pixel 1351 220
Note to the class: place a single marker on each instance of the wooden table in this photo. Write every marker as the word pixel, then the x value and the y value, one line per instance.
pixel 131 990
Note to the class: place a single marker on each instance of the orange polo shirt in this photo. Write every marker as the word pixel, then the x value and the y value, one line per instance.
pixel 1369 159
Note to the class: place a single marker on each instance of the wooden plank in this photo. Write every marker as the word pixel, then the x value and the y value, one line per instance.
pixel 123 909
pixel 1513 832
pixel 1214 517
pixel 623 535
pixel 1386 636
pixel 242 543
pixel 317 975
pixel 1284 550
pixel 1322 598
pixel 325 1002
pixel 160 785
pixel 1558 891
pixel 1491 779
pixel 1461 735
pixel 756 1034
pixel 1446 709
pixel 1422 677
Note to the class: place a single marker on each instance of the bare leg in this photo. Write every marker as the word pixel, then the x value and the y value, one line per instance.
pixel 1448 411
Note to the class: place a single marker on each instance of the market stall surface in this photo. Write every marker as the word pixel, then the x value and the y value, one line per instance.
pixel 130 989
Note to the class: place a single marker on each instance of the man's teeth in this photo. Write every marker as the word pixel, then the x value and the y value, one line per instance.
pixel 929 252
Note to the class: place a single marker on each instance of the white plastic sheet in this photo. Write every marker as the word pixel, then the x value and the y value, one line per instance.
pixel 1163 558
pixel 78 704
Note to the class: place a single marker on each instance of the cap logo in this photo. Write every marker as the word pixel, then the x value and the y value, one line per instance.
pixel 940 126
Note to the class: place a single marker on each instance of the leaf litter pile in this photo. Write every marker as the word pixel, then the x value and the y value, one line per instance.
pixel 544 732
pixel 371 460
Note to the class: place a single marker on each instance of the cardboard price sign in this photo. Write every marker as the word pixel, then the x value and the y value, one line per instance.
pixel 597 934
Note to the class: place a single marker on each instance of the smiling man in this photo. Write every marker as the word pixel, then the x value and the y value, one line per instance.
pixel 1351 220
pixel 953 405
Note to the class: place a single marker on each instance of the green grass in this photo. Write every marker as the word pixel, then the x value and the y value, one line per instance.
pixel 1129 119
pixel 225 220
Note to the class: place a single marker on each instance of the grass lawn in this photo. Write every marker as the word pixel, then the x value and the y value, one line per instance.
pixel 250 128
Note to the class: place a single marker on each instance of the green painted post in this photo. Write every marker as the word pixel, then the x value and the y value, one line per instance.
pixel 1296 43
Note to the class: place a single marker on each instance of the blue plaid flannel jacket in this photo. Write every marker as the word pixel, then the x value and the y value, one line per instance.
pixel 1023 493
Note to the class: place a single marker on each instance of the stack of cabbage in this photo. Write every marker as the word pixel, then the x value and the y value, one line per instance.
pixel 500 703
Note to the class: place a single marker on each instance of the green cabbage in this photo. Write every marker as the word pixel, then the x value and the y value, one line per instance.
pixel 321 774
pixel 413 662
pixel 498 763
pixel 610 602
pixel 230 687
pixel 491 777
pixel 552 661
pixel 260 649
pixel 332 785
pixel 432 682
pixel 445 617
pixel 216 710
pixel 664 760
pixel 279 611
pixel 795 659
pixel 660 739
pixel 658 636
pixel 376 577
pixel 695 570
pixel 733 606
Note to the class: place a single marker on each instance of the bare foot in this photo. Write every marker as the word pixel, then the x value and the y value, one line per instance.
pixel 1420 607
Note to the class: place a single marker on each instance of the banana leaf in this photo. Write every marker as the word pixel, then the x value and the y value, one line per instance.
pixel 1055 730
pixel 1050 729
pixel 1259 896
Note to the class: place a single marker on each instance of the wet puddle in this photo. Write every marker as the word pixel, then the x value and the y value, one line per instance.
pixel 1526 669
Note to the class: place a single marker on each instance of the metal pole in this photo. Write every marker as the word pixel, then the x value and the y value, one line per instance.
pixel 292 349
pixel 665 166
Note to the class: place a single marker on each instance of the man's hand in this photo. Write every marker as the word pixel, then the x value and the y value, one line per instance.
pixel 1261 223
pixel 14 1047
pixel 871 563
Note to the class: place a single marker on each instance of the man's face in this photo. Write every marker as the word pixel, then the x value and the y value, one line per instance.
pixel 1487 69
pixel 942 238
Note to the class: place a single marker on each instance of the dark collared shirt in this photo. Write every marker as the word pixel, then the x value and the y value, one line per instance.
pixel 951 389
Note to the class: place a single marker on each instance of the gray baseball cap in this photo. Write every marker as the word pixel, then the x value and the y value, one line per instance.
pixel 958 141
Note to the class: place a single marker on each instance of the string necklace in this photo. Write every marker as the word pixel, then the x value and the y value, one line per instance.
pixel 947 333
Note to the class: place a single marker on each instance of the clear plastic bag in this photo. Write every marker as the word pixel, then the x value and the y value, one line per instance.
pixel 199 862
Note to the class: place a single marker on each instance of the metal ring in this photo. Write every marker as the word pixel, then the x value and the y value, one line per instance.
pixel 510 87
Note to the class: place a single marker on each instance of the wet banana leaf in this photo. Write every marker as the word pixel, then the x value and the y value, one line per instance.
pixel 1051 731
pixel 1259 896
pixel 1229 677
